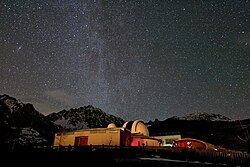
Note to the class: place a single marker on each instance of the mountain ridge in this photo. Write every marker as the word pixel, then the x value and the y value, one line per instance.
pixel 84 117
pixel 18 119
pixel 202 116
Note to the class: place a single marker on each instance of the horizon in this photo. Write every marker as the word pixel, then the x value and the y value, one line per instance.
pixel 146 121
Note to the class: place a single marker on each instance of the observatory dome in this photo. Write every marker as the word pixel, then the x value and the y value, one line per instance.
pixel 136 127
pixel 111 125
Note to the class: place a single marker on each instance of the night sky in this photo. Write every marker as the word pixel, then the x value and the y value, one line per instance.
pixel 133 59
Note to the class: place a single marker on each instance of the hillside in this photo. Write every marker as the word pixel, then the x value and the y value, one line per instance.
pixel 20 121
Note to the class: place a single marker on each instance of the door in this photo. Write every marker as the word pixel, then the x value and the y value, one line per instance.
pixel 81 141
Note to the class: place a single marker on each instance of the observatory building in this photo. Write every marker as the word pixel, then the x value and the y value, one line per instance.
pixel 132 133
pixel 110 136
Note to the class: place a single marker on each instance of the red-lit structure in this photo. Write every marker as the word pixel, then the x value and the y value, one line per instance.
pixel 193 144
pixel 140 134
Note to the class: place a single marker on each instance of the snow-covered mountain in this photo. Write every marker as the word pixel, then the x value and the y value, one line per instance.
pixel 21 124
pixel 83 118
pixel 203 116
pixel 25 137
pixel 17 118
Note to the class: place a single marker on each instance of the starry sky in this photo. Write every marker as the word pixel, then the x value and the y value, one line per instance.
pixel 133 59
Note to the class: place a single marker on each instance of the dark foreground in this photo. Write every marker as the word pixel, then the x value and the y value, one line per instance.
pixel 120 157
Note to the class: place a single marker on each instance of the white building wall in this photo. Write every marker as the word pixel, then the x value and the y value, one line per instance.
pixel 105 136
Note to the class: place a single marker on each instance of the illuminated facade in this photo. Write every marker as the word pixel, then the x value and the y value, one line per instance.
pixel 110 136
pixel 140 134
pixel 132 133
pixel 167 140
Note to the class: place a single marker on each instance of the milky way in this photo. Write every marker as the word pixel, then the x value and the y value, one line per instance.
pixel 133 59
